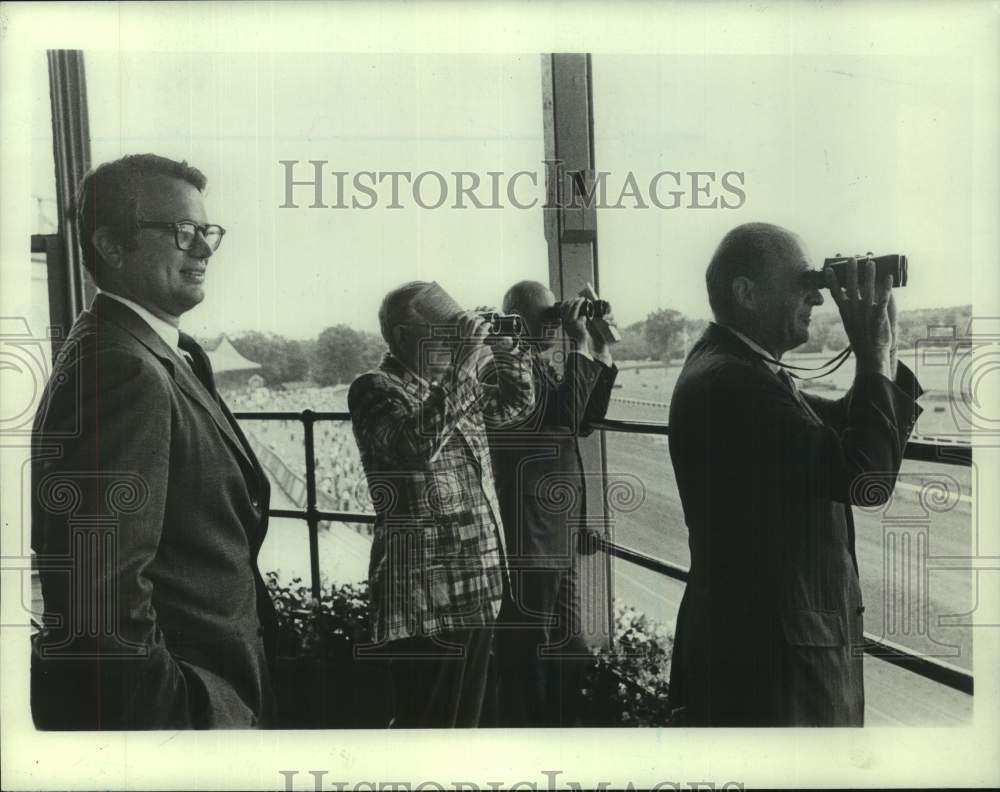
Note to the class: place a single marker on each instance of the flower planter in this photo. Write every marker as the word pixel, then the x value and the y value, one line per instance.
pixel 331 693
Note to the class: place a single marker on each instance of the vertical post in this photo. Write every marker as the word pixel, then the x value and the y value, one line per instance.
pixel 570 220
pixel 308 422
pixel 60 315
pixel 71 152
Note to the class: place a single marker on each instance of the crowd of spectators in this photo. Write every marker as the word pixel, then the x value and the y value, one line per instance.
pixel 339 474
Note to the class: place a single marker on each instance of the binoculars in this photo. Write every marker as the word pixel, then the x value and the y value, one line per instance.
pixel 504 324
pixel 591 309
pixel 894 264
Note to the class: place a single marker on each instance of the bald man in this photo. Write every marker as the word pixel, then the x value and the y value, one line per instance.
pixel 436 572
pixel 770 628
pixel 541 654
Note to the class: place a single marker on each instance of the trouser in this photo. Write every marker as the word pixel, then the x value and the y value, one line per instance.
pixel 440 682
pixel 541 655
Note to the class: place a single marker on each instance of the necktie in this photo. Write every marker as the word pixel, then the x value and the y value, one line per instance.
pixel 202 368
pixel 198 361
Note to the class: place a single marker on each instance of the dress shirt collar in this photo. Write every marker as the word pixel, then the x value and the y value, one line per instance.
pixel 171 335
pixel 767 356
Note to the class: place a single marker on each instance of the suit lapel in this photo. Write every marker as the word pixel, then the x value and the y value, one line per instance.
pixel 472 439
pixel 194 388
pixel 790 385
pixel 245 445
pixel 184 377
pixel 728 341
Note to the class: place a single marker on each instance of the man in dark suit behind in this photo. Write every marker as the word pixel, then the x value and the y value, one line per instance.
pixel 770 627
pixel 148 505
pixel 541 653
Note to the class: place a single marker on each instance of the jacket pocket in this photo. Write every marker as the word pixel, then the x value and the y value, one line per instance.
pixel 813 628
pixel 454 589
pixel 454 535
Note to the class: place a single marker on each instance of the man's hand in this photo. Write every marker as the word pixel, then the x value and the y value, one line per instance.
pixel 575 326
pixel 602 349
pixel 501 343
pixel 865 311
pixel 473 352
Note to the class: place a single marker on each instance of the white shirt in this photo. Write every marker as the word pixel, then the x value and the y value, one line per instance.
pixel 171 335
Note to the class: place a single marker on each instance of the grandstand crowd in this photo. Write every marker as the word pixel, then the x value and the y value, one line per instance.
pixel 340 478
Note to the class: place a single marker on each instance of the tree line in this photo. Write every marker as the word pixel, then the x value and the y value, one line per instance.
pixel 336 356
pixel 340 353
pixel 666 334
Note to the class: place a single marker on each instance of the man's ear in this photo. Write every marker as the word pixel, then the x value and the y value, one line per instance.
pixel 398 335
pixel 109 247
pixel 745 293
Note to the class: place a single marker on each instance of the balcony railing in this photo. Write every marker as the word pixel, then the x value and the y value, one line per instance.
pixel 921 450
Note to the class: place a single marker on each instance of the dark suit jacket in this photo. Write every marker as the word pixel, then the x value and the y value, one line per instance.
pixel 537 464
pixel 148 510
pixel 770 626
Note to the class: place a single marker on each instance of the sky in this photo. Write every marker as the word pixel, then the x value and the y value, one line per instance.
pixel 854 154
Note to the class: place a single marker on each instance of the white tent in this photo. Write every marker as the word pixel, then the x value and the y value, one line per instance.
pixel 225 358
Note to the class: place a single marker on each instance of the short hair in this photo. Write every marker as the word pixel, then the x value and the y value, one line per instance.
pixel 521 294
pixel 746 251
pixel 108 196
pixel 397 308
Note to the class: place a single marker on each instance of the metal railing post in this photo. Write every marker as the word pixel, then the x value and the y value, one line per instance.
pixel 930 668
pixel 308 423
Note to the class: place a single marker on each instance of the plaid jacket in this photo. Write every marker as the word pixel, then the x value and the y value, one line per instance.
pixel 437 558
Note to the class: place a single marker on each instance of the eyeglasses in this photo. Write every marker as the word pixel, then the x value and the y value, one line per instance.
pixel 186 231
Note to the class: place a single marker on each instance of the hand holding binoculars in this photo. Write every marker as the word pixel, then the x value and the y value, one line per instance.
pixel 893 264
pixel 503 324
pixel 591 309
pixel 513 325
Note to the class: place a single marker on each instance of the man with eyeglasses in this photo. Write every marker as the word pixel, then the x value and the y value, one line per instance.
pixel 437 561
pixel 148 504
